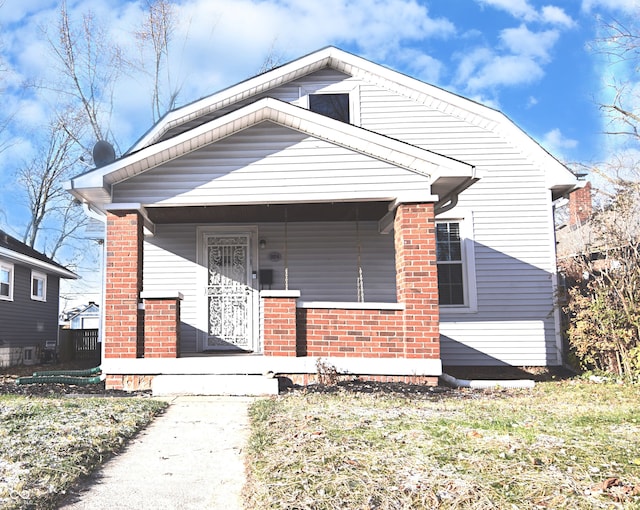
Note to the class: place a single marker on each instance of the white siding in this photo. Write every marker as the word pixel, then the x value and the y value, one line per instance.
pixel 268 163
pixel 322 260
pixel 512 232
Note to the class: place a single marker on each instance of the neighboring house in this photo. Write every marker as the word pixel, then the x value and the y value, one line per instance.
pixel 597 236
pixel 82 317
pixel 29 301
pixel 328 210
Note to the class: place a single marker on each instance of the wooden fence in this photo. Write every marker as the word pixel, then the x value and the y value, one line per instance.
pixel 79 345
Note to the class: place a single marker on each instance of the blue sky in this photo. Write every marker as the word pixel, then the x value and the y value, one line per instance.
pixel 529 58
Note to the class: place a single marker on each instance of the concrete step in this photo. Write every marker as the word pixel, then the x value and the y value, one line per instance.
pixel 236 385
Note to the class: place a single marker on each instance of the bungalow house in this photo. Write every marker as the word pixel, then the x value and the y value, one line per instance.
pixel 329 212
pixel 29 301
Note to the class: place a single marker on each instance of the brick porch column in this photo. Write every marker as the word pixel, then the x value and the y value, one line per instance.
pixel 417 279
pixel 123 336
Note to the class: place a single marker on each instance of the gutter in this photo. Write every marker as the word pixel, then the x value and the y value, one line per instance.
pixel 487 384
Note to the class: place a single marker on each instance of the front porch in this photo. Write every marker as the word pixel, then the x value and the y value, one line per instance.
pixel 296 334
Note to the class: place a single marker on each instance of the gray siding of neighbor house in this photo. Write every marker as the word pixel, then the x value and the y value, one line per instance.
pixel 322 260
pixel 25 322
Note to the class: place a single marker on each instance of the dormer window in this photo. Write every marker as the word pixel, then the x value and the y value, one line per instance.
pixel 335 106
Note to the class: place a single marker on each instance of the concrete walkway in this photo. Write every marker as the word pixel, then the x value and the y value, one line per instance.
pixel 190 457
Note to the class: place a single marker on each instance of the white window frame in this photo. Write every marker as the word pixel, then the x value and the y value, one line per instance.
pixel 38 276
pixel 465 219
pixel 335 88
pixel 5 266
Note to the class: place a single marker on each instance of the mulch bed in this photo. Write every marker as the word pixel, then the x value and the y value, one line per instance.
pixel 9 375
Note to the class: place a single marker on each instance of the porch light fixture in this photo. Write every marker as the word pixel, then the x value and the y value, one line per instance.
pixel 262 244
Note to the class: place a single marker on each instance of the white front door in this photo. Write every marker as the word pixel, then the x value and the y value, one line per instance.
pixel 230 292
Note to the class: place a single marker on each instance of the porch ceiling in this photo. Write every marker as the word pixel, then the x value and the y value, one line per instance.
pixel 339 211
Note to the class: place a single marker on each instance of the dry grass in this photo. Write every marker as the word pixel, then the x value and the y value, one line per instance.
pixel 567 444
pixel 47 444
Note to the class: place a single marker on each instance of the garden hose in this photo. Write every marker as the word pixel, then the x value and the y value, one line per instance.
pixel 82 373
pixel 61 379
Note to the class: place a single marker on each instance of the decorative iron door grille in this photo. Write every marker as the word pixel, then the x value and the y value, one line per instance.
pixel 229 293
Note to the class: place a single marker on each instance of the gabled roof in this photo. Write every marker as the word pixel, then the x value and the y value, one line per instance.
pixel 559 178
pixel 95 186
pixel 17 251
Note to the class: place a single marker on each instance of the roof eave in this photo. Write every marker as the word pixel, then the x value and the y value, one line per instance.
pixel 39 264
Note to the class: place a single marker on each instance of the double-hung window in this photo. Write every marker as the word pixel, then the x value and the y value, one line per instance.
pixel 6 281
pixel 38 286
pixel 450 263
pixel 455 261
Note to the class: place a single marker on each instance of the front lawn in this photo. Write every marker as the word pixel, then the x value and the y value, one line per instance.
pixel 570 444
pixel 48 443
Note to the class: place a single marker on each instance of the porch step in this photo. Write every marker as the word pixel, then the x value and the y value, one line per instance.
pixel 236 385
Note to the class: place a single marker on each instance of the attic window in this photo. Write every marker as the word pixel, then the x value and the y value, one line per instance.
pixel 335 106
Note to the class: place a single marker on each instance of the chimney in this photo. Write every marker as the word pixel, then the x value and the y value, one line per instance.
pixel 580 206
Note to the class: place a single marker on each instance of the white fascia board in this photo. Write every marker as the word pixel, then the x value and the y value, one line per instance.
pixel 557 174
pixel 253 86
pixel 410 157
pixel 40 264
pixel 434 97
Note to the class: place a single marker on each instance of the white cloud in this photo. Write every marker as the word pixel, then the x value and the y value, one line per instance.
pixel 526 52
pixel 556 16
pixel 422 66
pixel 506 70
pixel 522 9
pixel 555 142
pixel 628 6
pixel 522 41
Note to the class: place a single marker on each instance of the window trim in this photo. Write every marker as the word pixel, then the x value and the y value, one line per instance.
pixel 37 275
pixel 465 219
pixel 334 88
pixel 9 268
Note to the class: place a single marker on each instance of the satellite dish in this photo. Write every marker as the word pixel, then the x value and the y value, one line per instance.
pixel 103 153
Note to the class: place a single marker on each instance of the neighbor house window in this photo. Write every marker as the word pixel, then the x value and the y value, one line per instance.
pixel 449 253
pixel 38 286
pixel 335 106
pixel 6 281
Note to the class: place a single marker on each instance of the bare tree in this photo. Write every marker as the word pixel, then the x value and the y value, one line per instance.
pixel 620 44
pixel 603 302
pixel 154 38
pixel 89 65
pixel 51 209
pixel 272 59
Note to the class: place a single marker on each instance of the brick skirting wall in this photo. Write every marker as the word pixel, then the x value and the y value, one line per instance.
pixel 279 326
pixel 339 332
pixel 161 327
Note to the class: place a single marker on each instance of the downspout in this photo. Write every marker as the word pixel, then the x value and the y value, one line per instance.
pixel 487 384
